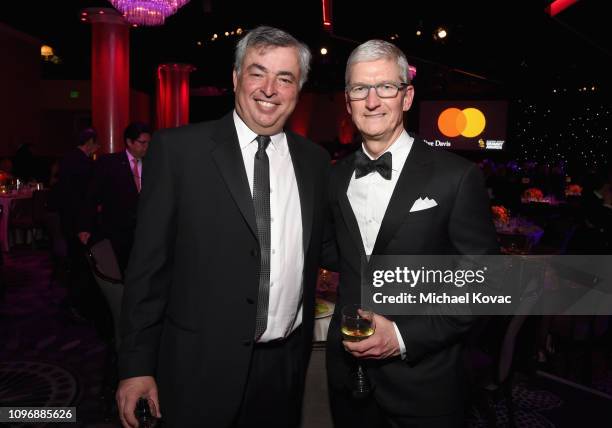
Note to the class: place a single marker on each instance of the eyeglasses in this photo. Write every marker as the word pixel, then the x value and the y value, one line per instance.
pixel 383 90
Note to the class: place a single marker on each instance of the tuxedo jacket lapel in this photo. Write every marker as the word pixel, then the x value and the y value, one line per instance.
pixel 412 179
pixel 345 174
pixel 305 182
pixel 226 154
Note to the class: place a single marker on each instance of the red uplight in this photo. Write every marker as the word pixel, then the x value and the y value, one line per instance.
pixel 327 15
pixel 558 6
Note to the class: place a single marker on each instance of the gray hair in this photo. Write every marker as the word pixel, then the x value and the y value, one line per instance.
pixel 263 37
pixel 373 50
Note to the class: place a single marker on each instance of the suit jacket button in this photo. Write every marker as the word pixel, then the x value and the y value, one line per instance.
pixel 247 342
pixel 254 252
pixel 250 301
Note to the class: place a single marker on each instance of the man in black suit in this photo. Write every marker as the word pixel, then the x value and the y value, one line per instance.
pixel 111 205
pixel 396 196
pixel 75 172
pixel 218 307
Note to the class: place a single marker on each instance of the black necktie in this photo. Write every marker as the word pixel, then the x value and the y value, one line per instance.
pixel 261 201
pixel 364 165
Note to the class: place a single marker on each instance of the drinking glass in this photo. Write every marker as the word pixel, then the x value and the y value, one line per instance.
pixel 358 324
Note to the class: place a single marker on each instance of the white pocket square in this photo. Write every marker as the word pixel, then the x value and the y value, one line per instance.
pixel 423 204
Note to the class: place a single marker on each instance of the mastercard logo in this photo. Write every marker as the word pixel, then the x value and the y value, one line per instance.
pixel 468 122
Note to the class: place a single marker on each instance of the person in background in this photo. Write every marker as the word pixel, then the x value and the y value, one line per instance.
pixel 75 172
pixel 111 202
pixel 24 163
pixel 593 233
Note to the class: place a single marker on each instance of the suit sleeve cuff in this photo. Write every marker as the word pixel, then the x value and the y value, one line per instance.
pixel 400 340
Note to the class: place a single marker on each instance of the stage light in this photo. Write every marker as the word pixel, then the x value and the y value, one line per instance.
pixel 323 51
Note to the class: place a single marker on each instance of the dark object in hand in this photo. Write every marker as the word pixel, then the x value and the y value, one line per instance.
pixel 143 414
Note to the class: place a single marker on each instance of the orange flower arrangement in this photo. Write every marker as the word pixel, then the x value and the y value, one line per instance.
pixel 573 190
pixel 533 194
pixel 500 213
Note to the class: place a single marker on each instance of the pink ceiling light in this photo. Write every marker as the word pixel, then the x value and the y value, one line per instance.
pixel 147 12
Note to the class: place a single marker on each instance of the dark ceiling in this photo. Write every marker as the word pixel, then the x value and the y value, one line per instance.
pixel 494 48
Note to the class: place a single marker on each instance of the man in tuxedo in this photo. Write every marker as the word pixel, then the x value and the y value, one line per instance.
pixel 218 308
pixel 111 204
pixel 376 196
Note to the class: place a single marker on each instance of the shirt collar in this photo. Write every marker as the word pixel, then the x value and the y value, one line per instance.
pixel 399 150
pixel 246 136
pixel 130 157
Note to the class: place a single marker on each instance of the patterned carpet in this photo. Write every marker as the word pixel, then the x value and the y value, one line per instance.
pixel 46 358
pixel 528 405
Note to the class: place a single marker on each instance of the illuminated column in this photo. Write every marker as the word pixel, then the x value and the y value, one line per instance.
pixel 558 6
pixel 327 15
pixel 110 76
pixel 173 95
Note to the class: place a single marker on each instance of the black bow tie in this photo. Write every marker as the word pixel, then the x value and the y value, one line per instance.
pixel 364 165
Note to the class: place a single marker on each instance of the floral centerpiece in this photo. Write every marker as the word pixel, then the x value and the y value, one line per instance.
pixel 500 214
pixel 533 194
pixel 573 190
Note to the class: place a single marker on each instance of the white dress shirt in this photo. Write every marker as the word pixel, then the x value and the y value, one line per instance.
pixel 287 253
pixel 370 195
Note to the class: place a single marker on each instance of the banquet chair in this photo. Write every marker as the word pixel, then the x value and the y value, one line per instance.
pixel 21 220
pixel 40 208
pixel 107 274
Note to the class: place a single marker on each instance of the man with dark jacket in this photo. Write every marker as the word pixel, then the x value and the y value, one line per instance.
pixel 111 204
pixel 218 309
pixel 75 171
pixel 398 196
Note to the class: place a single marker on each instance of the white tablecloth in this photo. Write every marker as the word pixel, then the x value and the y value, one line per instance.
pixel 321 325
pixel 6 201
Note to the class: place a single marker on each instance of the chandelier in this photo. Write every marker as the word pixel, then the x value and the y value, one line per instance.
pixel 147 12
